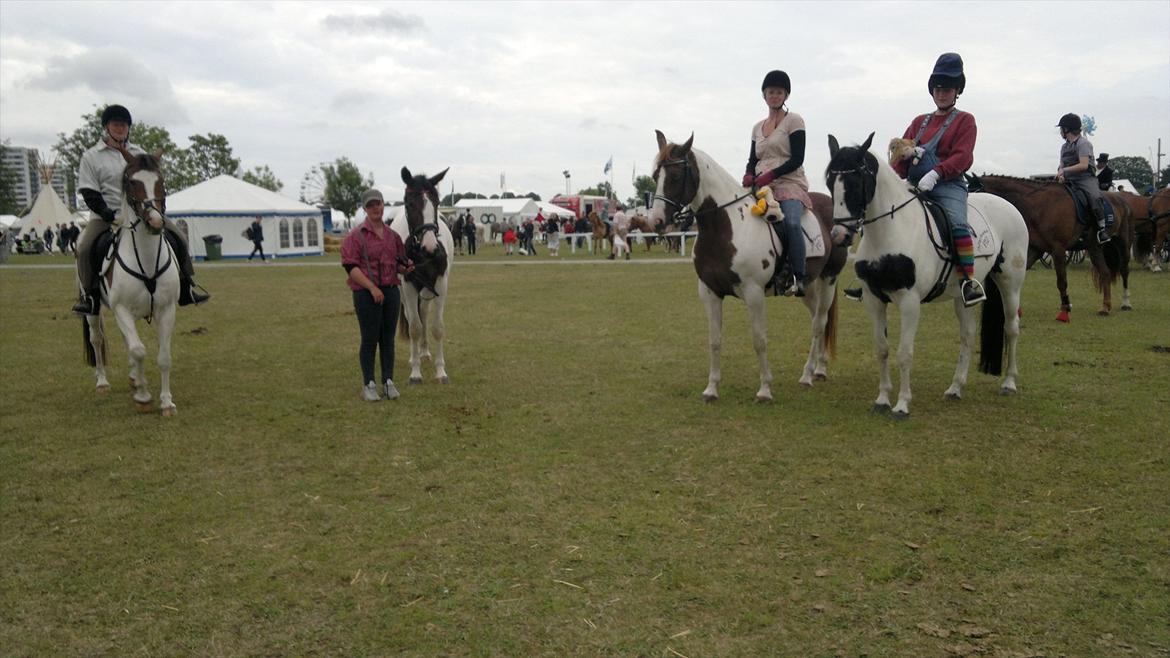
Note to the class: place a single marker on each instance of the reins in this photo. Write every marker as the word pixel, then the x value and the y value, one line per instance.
pixel 150 282
pixel 684 213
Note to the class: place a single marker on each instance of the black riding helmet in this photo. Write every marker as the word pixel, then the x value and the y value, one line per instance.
pixel 116 112
pixel 1070 122
pixel 948 73
pixel 777 79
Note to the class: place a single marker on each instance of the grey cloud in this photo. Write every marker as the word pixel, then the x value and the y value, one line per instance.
pixel 115 75
pixel 387 21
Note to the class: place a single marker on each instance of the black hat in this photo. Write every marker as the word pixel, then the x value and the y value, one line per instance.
pixel 116 112
pixel 1070 122
pixel 777 79
pixel 1104 157
pixel 948 73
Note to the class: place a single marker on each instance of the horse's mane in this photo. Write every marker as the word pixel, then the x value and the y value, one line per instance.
pixel 1030 182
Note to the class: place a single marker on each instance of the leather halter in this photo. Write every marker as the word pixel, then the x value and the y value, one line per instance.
pixel 854 222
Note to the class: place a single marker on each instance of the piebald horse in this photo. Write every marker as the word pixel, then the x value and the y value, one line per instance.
pixel 735 254
pixel 424 293
pixel 140 280
pixel 899 263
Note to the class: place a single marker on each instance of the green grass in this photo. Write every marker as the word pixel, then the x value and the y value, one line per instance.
pixel 568 494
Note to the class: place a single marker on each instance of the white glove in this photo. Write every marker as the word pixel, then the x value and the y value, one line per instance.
pixel 928 181
pixel 918 153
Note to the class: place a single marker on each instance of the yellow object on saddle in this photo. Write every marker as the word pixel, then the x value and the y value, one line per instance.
pixel 765 199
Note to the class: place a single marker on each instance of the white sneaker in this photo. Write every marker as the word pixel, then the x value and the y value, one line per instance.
pixel 370 392
pixel 391 390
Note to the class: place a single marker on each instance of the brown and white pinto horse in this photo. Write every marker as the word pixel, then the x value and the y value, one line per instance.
pixel 424 293
pixel 141 281
pixel 735 254
pixel 1053 229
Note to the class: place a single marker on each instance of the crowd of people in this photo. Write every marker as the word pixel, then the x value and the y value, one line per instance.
pixel 64 238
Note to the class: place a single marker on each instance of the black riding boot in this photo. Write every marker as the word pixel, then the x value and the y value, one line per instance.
pixel 782 278
pixel 187 293
pixel 87 305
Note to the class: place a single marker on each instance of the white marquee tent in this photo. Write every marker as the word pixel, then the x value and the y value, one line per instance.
pixel 226 206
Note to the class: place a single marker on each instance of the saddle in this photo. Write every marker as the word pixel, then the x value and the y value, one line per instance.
pixel 102 252
pixel 1084 206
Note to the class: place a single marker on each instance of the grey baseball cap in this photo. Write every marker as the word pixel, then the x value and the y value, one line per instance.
pixel 371 195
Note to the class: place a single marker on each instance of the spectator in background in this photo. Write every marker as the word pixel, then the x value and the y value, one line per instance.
pixel 469 234
pixel 581 228
pixel 48 238
pixel 509 239
pixel 529 232
pixel 552 235
pixel 256 235
pixel 1105 173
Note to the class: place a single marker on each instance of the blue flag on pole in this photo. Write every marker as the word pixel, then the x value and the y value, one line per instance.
pixel 608 165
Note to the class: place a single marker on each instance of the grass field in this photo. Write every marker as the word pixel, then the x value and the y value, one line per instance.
pixel 568 494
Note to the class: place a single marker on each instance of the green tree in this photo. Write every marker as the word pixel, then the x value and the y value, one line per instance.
pixel 450 200
pixel 533 195
pixel 8 203
pixel 642 185
pixel 338 185
pixel 263 177
pixel 71 147
pixel 208 156
pixel 601 189
pixel 1135 168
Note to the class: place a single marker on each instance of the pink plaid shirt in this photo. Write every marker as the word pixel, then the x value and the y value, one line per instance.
pixel 378 260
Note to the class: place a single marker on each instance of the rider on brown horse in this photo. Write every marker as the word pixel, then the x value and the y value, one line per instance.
pixel 1076 170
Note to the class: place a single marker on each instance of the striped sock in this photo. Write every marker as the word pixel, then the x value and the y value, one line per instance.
pixel 966 249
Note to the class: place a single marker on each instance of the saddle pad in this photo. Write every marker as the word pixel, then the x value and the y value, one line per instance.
pixel 982 236
pixel 1082 203
pixel 814 238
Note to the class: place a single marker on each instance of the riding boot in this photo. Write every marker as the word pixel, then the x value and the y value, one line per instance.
pixel 187 293
pixel 1102 222
pixel 782 279
pixel 87 305
pixel 972 292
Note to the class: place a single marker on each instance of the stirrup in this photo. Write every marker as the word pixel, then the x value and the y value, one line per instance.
pixel 87 305
pixel 972 292
pixel 853 294
pixel 1103 236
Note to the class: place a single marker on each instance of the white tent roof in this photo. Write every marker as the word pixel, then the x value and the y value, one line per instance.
pixel 229 196
pixel 507 206
pixel 47 211
pixel 549 209
pixel 8 220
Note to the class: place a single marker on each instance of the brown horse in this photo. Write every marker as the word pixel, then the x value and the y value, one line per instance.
pixel 1151 223
pixel 650 230
pixel 601 232
pixel 1053 229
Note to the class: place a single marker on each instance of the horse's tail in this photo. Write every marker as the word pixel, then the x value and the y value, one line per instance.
pixel 991 331
pixel 830 344
pixel 1111 252
pixel 1143 245
pixel 90 355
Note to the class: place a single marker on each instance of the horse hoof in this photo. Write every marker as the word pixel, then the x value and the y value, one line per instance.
pixel 952 396
pixel 805 384
pixel 900 415
pixel 1007 391
pixel 1103 313
pixel 1127 307
pixel 143 407
pixel 708 398
pixel 413 381
pixel 820 377
pixel 1062 317
pixel 880 409
pixel 760 399
pixel 444 379
pixel 103 390
pixel 169 412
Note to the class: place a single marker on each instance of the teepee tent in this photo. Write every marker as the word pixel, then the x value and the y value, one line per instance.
pixel 48 210
pixel 226 206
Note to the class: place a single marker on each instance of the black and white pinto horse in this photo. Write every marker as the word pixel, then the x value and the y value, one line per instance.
pixel 899 262
pixel 735 254
pixel 140 279
pixel 424 292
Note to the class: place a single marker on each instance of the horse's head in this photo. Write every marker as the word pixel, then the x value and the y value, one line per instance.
pixel 422 207
pixel 144 188
pixel 676 175
pixel 852 180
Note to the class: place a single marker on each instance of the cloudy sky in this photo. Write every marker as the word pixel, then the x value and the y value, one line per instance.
pixel 533 89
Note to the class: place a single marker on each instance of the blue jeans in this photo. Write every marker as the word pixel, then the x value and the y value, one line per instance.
pixel 792 210
pixel 952 196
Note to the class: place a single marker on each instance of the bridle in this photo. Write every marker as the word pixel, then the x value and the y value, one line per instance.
pixel 414 248
pixel 683 213
pixel 140 208
pixel 854 223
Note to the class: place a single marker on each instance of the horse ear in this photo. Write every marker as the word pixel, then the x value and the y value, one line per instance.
pixel 157 155
pixel 434 180
pixel 406 177
pixel 686 147
pixel 661 139
pixel 126 155
pixel 833 146
pixel 868 141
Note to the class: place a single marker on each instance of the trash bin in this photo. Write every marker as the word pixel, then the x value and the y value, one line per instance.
pixel 214 246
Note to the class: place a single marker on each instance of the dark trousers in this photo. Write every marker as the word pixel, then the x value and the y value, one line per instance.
pixel 377 323
pixel 471 244
pixel 256 246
